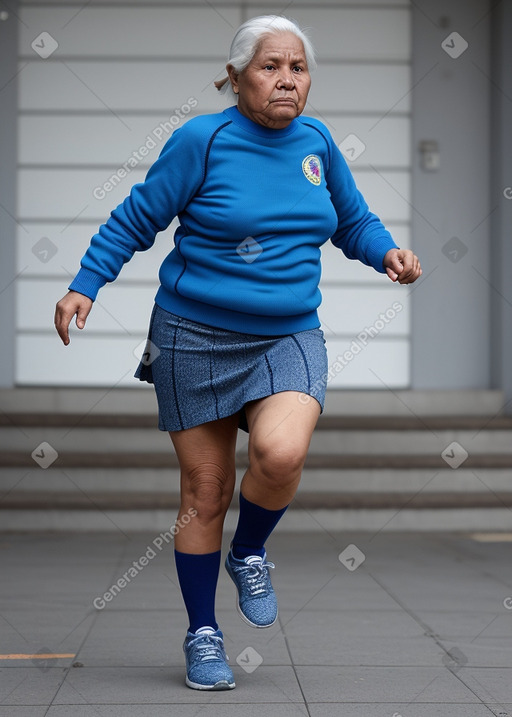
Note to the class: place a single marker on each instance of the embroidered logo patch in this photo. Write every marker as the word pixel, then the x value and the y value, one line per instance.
pixel 312 169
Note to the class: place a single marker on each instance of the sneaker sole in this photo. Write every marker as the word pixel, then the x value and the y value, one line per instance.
pixel 252 624
pixel 239 609
pixel 217 687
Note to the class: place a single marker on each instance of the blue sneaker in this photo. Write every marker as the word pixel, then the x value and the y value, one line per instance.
pixel 256 602
pixel 207 662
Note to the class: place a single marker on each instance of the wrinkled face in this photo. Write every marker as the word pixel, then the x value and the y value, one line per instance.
pixel 273 88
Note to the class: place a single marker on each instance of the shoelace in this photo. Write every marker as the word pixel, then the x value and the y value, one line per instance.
pixel 207 647
pixel 257 580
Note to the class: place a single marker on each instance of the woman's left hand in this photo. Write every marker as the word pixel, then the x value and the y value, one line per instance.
pixel 402 265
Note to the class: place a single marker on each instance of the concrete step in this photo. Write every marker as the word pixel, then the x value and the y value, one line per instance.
pixel 434 422
pixel 117 471
pixel 109 500
pixel 140 399
pixel 142 460
pixel 326 440
pixel 301 519
pixel 326 481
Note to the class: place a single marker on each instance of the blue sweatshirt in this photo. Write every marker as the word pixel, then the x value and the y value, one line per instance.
pixel 254 205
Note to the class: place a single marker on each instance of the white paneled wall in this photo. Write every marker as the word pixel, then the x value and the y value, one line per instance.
pixel 120 70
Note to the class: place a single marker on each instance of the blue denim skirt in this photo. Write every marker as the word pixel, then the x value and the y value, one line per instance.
pixel 201 373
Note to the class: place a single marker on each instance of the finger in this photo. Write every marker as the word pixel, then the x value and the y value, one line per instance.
pixel 62 325
pixel 407 277
pixel 82 314
pixel 396 264
pixel 408 266
pixel 392 274
pixel 412 272
pixel 407 259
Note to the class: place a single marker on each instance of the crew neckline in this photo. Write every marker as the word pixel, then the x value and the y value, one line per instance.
pixel 248 125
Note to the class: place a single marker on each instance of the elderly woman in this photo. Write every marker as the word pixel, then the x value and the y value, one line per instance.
pixel 234 337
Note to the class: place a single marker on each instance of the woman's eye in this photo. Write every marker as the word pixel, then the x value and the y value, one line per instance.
pixel 269 67
pixel 297 69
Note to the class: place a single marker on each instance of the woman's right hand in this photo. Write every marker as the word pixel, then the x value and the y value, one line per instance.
pixel 73 304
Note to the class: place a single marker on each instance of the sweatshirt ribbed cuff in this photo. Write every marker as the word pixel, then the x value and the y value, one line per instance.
pixel 376 252
pixel 88 283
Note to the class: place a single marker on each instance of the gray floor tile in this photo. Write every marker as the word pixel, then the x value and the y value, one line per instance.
pixel 335 589
pixel 155 638
pixel 399 653
pixel 371 652
pixel 54 580
pixel 399 710
pixel 133 637
pixel 358 638
pixel 135 585
pixel 381 684
pixel 35 711
pixel 490 683
pixel 364 623
pixel 365 641
pixel 136 685
pixel 442 592
pixel 214 707
pixel 470 624
pixel 484 652
pixel 54 588
pixel 29 685
pixel 42 630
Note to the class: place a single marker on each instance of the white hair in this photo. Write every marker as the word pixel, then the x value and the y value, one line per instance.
pixel 248 37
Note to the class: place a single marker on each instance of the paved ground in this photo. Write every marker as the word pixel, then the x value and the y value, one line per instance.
pixel 422 627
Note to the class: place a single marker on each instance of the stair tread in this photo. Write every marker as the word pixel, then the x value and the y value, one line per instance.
pixel 319 461
pixel 307 500
pixel 325 422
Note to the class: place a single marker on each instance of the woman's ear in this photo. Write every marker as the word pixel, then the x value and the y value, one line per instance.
pixel 233 78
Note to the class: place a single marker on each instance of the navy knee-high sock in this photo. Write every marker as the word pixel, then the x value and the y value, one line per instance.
pixel 254 527
pixel 198 581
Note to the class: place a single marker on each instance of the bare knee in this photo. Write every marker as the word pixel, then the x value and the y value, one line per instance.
pixel 208 489
pixel 278 464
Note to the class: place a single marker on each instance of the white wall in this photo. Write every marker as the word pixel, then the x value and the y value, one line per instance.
pixel 118 72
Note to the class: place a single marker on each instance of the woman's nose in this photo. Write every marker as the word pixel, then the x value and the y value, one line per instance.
pixel 286 80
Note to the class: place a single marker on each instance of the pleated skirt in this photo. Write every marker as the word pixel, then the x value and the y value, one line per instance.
pixel 201 373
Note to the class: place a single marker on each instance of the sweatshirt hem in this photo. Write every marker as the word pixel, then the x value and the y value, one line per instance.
pixel 229 320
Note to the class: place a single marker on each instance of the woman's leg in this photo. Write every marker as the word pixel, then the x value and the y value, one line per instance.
pixel 206 455
pixel 280 430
